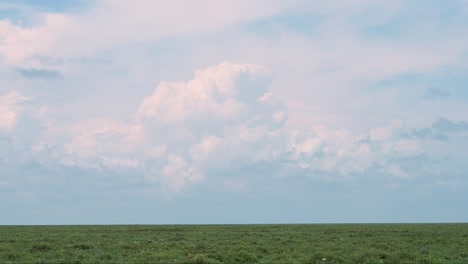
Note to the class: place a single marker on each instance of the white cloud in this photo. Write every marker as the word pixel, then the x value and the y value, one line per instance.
pixel 10 109
pixel 181 135
pixel 214 91
pixel 408 147
pixel 113 23
pixel 179 131
pixel 207 150
pixel 177 173
pixel 387 132
pixel 18 43
pixel 197 119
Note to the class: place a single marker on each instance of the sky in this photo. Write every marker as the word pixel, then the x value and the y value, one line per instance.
pixel 233 112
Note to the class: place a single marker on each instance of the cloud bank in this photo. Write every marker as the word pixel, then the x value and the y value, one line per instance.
pixel 225 120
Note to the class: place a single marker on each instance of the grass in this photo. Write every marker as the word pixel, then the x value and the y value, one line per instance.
pixel 324 243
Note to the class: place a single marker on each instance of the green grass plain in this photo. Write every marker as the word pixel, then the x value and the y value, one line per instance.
pixel 298 243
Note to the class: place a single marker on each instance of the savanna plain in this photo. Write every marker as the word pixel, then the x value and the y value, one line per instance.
pixel 297 243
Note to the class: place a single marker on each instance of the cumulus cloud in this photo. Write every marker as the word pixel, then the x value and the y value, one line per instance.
pixel 18 43
pixel 10 109
pixel 210 142
pixel 103 144
pixel 212 121
pixel 341 154
pixel 223 124
pixel 178 173
pixel 222 91
pixel 225 110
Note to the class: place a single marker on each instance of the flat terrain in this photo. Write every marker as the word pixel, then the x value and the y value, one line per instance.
pixel 315 243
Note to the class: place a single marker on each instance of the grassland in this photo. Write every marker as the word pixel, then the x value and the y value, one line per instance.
pixel 324 243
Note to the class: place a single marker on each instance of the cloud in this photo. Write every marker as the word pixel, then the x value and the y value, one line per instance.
pixel 222 91
pixel 212 120
pixel 341 154
pixel 177 173
pixel 101 26
pixel 224 126
pixel 194 135
pixel 168 142
pixel 10 109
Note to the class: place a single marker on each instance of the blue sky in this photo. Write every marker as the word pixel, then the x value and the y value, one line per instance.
pixel 160 112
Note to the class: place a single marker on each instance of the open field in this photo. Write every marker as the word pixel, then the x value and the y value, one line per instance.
pixel 317 243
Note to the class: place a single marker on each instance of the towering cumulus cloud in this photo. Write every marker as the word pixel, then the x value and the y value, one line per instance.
pixel 213 120
pixel 224 92
pixel 224 117
pixel 224 126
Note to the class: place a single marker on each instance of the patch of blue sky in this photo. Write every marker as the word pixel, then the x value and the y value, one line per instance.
pixel 400 81
pixel 49 5
pixel 14 13
pixel 390 29
pixel 442 84
pixel 24 12
pixel 413 20
pixel 306 24
pixel 455 86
